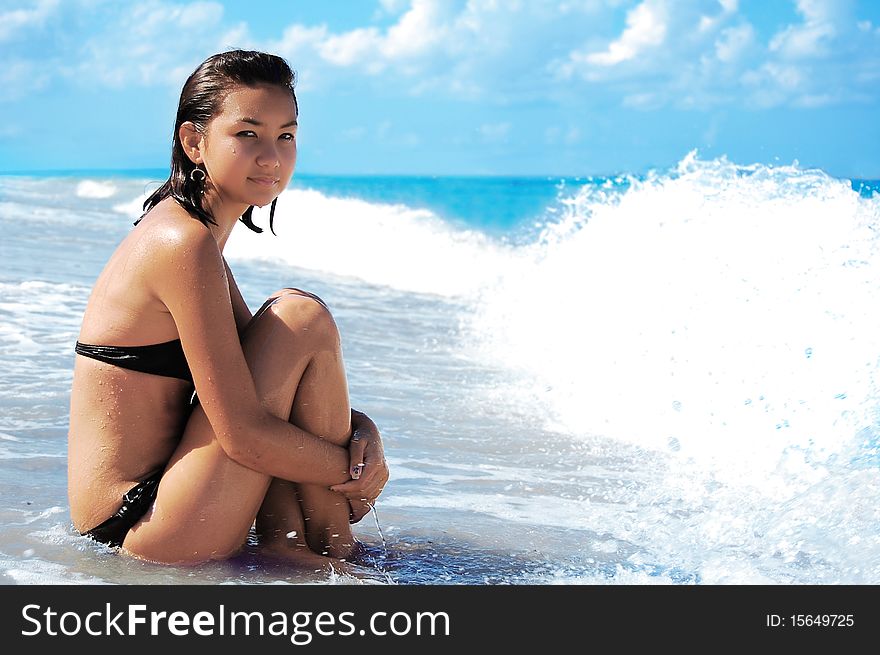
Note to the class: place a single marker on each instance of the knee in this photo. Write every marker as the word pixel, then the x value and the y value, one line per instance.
pixel 307 316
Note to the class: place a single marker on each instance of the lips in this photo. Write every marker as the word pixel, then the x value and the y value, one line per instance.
pixel 265 181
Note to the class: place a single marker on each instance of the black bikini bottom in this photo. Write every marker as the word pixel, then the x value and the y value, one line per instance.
pixel 135 504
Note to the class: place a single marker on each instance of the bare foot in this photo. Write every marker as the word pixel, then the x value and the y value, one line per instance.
pixel 302 557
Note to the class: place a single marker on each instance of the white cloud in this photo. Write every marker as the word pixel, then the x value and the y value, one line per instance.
pixel 645 28
pixel 16 22
pixel 685 53
pixel 786 77
pixel 774 83
pixel 419 32
pixel 709 23
pixel 154 18
pixel 825 59
pixel 162 43
pixel 811 38
pixel 393 6
pixel 463 50
pixel 20 77
pixel 199 14
pixel 703 53
pixel 733 42
pixel 660 38
pixel 237 36
pixel 358 46
pixel 299 44
pixel 803 42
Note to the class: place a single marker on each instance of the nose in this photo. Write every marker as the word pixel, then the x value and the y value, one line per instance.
pixel 268 156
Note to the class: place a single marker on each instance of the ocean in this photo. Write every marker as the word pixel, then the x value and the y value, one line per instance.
pixel 665 378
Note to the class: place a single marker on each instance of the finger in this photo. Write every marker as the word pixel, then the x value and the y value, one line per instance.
pixel 355 496
pixel 369 475
pixel 373 452
pixel 368 497
pixel 374 475
pixel 369 485
pixel 356 456
pixel 374 459
pixel 350 488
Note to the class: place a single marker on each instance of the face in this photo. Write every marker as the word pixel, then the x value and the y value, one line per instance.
pixel 249 147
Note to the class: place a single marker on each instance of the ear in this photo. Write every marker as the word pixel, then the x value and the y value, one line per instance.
pixel 191 140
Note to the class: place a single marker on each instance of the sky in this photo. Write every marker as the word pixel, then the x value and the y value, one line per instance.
pixel 459 87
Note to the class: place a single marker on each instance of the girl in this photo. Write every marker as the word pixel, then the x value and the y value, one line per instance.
pixel 269 436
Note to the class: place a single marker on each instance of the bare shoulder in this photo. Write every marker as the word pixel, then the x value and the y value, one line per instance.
pixel 178 252
pixel 173 235
pixel 168 220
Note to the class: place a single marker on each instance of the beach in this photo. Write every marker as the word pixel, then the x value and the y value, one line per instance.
pixel 662 378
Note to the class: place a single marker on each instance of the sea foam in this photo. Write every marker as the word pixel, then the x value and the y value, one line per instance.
pixel 93 189
pixel 727 313
pixel 383 244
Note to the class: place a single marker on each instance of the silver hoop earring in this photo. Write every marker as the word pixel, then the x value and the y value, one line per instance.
pixel 200 178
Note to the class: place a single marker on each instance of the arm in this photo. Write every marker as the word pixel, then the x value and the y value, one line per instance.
pixel 240 309
pixel 191 281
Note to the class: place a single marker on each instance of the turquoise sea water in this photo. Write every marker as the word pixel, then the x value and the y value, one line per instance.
pixel 665 378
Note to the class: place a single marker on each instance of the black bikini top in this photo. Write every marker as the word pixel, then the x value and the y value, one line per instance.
pixel 158 359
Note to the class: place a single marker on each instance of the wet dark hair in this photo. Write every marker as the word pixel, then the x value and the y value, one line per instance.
pixel 200 100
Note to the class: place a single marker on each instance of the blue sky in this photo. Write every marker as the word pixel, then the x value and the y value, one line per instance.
pixel 469 87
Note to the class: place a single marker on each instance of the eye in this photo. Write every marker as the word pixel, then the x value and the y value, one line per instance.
pixel 247 133
pixel 287 136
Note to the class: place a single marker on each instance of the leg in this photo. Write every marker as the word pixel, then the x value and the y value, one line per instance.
pixel 207 502
pixel 317 516
pixel 282 531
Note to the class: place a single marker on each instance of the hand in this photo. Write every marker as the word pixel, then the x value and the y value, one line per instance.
pixel 368 468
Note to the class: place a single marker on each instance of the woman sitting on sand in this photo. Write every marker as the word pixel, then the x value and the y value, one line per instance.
pixel 270 436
